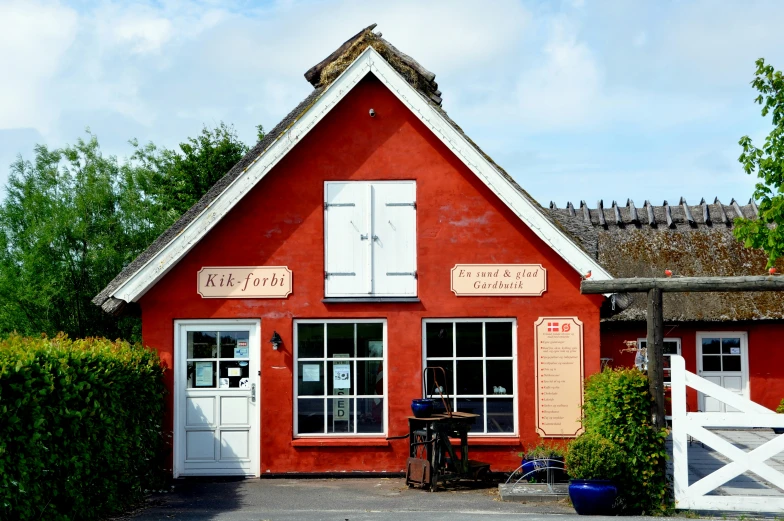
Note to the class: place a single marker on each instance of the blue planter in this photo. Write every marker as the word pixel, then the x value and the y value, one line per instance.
pixel 422 408
pixel 535 470
pixel 592 497
pixel 531 470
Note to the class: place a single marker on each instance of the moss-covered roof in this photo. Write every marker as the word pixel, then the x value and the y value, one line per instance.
pixel 628 245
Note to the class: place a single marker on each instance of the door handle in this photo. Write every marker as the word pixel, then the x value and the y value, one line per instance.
pixel 253 393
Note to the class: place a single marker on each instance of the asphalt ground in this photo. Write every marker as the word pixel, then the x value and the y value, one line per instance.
pixel 339 499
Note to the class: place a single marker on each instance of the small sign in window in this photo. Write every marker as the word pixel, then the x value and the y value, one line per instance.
pixel 203 374
pixel 310 373
pixel 341 376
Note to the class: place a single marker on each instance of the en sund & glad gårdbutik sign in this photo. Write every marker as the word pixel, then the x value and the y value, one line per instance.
pixel 244 282
pixel 499 280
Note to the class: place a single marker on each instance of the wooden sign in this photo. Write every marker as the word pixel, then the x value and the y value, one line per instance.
pixel 499 280
pixel 244 282
pixel 559 376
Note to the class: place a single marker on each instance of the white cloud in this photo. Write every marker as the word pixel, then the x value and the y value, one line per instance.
pixel 111 55
pixel 147 34
pixel 33 38
pixel 564 89
pixel 519 76
pixel 567 89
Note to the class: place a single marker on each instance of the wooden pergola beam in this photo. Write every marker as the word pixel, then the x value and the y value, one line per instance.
pixel 683 284
pixel 655 287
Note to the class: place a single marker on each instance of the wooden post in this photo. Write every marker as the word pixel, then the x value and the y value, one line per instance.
pixel 655 344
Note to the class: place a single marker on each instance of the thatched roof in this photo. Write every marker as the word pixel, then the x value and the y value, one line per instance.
pixel 328 69
pixel 689 240
pixel 320 76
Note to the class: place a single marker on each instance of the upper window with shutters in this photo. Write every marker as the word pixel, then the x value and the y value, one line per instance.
pixel 370 239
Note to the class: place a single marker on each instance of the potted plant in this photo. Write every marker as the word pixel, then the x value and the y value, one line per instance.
pixel 536 460
pixel 780 410
pixel 593 462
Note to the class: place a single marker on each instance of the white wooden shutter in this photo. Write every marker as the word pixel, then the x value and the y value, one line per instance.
pixel 347 239
pixel 393 213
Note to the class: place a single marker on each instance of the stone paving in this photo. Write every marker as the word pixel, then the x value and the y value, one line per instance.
pixel 703 461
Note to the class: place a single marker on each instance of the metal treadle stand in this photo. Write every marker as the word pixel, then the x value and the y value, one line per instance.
pixel 432 456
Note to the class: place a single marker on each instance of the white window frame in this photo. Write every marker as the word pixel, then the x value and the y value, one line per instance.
pixel 369 223
pixel 326 397
pixel 744 354
pixel 484 358
pixel 677 340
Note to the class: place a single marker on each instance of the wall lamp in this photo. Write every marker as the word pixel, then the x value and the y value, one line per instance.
pixel 276 340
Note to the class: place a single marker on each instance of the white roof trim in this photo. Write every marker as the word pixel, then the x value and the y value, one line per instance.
pixel 369 61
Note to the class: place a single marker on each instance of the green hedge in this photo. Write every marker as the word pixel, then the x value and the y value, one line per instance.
pixel 80 427
pixel 618 407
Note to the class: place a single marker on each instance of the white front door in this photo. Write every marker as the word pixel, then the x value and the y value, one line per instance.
pixel 722 358
pixel 216 397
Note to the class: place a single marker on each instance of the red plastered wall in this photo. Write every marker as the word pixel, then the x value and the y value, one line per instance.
pixel 281 222
pixel 766 353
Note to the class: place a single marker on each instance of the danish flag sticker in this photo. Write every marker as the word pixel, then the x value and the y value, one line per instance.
pixel 552 326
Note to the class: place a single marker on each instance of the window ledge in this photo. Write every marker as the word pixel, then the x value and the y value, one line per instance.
pixel 488 441
pixel 371 300
pixel 340 442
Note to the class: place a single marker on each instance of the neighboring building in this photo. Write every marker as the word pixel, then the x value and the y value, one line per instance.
pixel 733 339
pixel 298 302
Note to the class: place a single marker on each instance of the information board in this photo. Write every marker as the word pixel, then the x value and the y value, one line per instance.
pixel 559 376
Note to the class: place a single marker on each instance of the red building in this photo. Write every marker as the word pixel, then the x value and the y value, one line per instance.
pixel 364 239
pixel 732 339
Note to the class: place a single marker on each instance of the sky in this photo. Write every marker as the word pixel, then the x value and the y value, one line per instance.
pixel 578 100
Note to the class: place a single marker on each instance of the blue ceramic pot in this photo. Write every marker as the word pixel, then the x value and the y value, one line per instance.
pixel 532 470
pixel 422 408
pixel 535 470
pixel 592 497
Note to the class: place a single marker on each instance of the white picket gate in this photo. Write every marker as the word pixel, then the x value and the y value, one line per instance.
pixel 693 424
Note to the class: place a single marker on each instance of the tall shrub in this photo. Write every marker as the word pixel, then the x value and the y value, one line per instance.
pixel 80 426
pixel 618 407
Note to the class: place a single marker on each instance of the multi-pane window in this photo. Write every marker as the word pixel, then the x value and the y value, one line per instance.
pixel 218 359
pixel 721 353
pixel 672 346
pixel 339 380
pixel 478 357
pixel 722 360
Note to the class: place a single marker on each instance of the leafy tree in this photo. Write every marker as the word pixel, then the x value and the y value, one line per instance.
pixel 73 218
pixel 187 174
pixel 767 163
pixel 70 221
